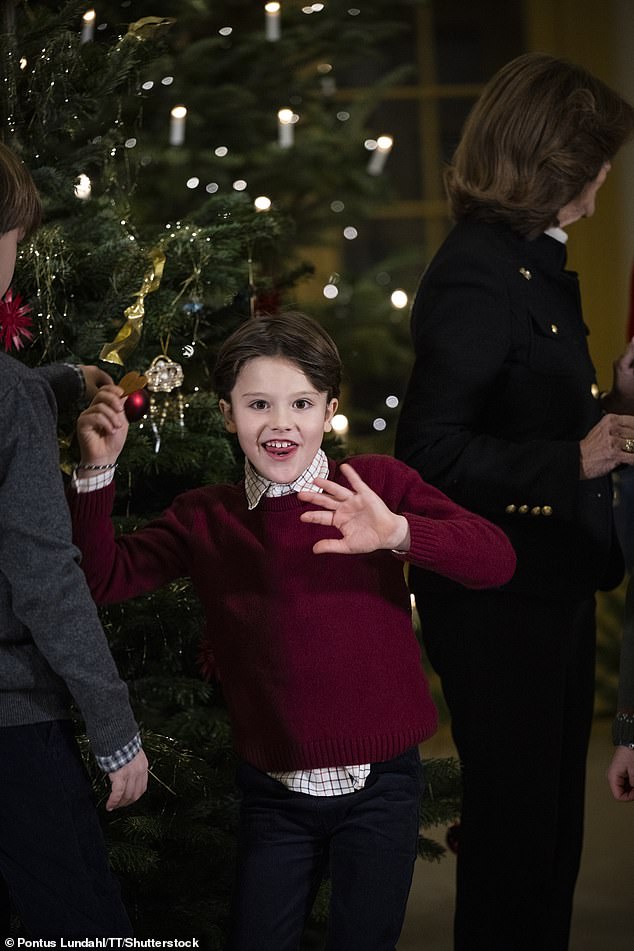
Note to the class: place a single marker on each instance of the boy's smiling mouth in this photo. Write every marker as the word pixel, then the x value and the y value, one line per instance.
pixel 279 448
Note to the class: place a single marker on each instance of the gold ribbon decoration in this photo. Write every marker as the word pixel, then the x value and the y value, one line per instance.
pixel 150 28
pixel 128 337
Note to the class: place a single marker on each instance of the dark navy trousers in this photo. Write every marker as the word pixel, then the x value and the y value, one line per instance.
pixel 366 842
pixel 52 853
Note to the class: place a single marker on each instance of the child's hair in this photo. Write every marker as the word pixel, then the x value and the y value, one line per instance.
pixel 20 205
pixel 292 336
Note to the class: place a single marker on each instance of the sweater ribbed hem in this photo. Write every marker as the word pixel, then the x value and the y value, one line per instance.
pixel 335 751
pixel 21 709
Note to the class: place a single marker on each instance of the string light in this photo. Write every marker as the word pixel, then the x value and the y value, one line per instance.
pixel 177 125
pixel 379 424
pixel 391 402
pixel 262 203
pixel 399 299
pixel 272 21
pixel 340 424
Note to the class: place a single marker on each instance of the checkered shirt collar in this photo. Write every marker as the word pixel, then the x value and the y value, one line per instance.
pixel 256 486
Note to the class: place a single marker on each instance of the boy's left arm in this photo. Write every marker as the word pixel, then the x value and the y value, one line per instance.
pixel 429 529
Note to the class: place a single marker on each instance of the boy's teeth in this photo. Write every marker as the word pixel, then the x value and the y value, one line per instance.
pixel 278 444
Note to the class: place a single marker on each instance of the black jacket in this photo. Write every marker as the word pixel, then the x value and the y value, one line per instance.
pixel 502 391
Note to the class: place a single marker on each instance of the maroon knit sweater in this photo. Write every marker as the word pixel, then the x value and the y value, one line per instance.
pixel 316 653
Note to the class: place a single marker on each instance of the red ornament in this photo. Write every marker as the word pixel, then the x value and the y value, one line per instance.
pixel 137 405
pixel 14 322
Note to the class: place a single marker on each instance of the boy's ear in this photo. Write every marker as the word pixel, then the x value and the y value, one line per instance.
pixel 331 409
pixel 225 409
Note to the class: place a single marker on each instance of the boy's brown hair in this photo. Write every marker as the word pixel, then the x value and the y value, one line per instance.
pixel 538 134
pixel 292 336
pixel 20 205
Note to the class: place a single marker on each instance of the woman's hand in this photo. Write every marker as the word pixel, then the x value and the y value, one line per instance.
pixel 602 450
pixel 364 520
pixel 102 427
pixel 621 774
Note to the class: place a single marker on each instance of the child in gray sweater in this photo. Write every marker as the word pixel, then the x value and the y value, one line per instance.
pixel 52 650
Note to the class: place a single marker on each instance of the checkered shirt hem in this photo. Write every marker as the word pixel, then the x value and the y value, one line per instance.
pixel 110 764
pixel 327 781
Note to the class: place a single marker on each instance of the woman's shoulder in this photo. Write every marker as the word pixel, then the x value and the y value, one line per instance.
pixel 482 241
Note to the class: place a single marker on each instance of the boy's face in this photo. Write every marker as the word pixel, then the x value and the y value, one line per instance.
pixel 279 417
pixel 8 251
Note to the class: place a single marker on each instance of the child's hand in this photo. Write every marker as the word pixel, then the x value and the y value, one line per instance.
pixel 364 520
pixel 103 427
pixel 94 378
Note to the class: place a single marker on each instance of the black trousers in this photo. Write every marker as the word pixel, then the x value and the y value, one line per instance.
pixel 366 841
pixel 52 853
pixel 518 677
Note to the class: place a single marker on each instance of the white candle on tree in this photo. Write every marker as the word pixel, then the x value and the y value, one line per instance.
pixel 378 158
pixel 285 119
pixel 177 125
pixel 88 26
pixel 272 21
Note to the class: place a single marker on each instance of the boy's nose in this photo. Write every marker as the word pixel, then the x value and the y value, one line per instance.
pixel 281 419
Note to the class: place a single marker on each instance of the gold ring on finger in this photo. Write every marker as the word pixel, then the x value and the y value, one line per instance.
pixel 628 445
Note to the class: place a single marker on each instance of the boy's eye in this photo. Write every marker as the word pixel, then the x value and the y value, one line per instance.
pixel 258 404
pixel 302 404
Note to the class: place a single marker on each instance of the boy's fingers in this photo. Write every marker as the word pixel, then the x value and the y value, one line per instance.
pixel 317 518
pixel 317 498
pixel 333 489
pixel 353 477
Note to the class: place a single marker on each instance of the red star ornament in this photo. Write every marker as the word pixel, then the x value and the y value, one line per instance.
pixel 14 322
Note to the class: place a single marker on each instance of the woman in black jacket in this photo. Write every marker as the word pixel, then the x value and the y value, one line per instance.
pixel 504 414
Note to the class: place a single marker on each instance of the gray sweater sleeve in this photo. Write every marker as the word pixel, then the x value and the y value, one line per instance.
pixel 49 594
pixel 623 728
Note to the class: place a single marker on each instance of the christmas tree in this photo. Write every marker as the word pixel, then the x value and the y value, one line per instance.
pixel 184 157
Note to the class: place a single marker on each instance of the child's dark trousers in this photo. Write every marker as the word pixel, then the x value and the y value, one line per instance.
pixel 365 842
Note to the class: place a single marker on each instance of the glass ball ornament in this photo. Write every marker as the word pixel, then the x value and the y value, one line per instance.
pixel 137 405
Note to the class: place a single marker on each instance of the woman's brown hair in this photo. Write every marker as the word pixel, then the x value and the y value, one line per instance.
pixel 539 133
pixel 20 205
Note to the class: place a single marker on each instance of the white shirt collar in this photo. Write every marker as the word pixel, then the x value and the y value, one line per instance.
pixel 257 486
pixel 557 233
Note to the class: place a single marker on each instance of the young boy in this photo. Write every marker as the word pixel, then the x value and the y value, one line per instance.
pixel 52 646
pixel 317 657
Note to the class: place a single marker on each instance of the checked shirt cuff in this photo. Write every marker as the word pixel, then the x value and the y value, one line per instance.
pixel 110 764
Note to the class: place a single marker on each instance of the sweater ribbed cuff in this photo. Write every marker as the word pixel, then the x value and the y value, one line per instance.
pixel 623 729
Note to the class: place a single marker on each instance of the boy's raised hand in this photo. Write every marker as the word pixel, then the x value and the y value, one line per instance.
pixel 364 520
pixel 102 427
